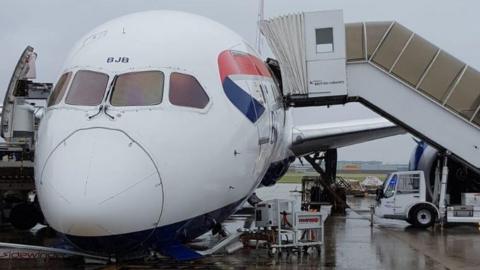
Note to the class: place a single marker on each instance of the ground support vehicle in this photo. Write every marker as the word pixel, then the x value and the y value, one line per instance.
pixel 404 196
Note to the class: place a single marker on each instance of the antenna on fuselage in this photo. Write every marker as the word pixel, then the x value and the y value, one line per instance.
pixel 261 5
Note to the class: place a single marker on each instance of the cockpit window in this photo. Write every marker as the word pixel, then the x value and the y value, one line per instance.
pixel 59 90
pixel 186 91
pixel 138 89
pixel 87 89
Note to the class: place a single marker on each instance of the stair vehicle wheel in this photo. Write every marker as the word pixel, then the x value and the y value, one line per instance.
pixel 410 221
pixel 423 216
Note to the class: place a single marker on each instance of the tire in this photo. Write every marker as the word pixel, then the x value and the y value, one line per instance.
pixel 410 221
pixel 422 216
pixel 24 216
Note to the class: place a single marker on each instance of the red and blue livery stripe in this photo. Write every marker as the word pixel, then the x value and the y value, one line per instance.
pixel 240 63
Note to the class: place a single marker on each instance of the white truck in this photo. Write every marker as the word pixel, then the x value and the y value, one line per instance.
pixel 404 196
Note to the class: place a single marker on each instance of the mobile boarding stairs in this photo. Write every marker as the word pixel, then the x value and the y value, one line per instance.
pixel 386 67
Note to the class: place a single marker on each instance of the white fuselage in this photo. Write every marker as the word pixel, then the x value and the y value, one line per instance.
pixel 106 170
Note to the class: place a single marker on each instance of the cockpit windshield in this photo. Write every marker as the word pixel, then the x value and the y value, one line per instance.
pixel 87 89
pixel 59 90
pixel 138 89
pixel 186 91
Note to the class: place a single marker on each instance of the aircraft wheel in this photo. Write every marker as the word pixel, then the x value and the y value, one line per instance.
pixel 24 216
pixel 423 216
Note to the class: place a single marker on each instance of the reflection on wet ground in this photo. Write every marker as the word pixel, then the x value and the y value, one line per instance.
pixel 350 243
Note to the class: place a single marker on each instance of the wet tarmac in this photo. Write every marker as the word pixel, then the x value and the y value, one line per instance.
pixel 350 243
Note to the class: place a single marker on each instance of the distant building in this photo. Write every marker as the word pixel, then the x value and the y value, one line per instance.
pixel 369 166
pixel 354 166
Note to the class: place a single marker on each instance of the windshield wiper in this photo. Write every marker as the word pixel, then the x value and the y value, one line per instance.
pixel 100 109
pixel 105 108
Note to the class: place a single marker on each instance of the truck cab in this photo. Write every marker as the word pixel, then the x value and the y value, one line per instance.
pixel 403 196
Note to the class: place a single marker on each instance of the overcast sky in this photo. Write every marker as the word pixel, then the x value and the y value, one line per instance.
pixel 52 27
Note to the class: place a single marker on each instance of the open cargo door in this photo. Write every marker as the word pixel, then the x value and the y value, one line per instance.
pixel 18 121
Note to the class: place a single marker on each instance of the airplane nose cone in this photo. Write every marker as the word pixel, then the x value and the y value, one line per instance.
pixel 100 184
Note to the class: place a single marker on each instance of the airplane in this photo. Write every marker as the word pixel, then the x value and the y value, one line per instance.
pixel 161 125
